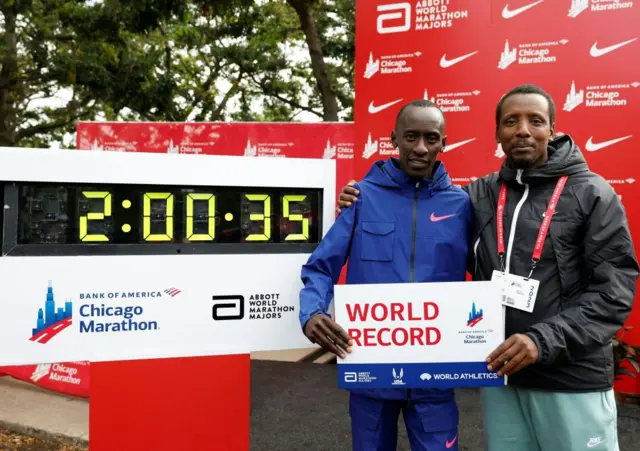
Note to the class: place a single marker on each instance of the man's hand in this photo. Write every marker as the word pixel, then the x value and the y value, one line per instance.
pixel 322 330
pixel 516 353
pixel 347 196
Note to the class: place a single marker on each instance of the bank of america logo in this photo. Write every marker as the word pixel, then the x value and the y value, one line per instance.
pixel 173 292
pixel 51 322
pixel 475 316
pixel 574 98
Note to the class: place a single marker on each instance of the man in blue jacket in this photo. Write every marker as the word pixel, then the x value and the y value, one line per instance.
pixel 409 225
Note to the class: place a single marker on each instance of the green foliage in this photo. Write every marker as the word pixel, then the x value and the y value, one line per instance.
pixel 623 352
pixel 166 60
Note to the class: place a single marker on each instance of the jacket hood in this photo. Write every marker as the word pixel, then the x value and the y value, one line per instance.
pixel 388 174
pixel 565 158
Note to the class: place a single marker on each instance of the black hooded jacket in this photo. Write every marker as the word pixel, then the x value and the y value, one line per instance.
pixel 587 271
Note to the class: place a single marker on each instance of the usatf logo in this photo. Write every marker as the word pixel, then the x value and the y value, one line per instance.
pixel 51 322
pixel 475 316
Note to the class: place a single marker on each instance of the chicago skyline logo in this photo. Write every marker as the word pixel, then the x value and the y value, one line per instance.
pixel 579 6
pixel 475 316
pixel 51 322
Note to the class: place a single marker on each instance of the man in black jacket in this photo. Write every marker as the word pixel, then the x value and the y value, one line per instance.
pixel 557 235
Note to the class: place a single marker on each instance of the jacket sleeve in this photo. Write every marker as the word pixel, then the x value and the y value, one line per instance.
pixel 601 310
pixel 322 270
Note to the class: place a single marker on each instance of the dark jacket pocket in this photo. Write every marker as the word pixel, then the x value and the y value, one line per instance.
pixel 377 241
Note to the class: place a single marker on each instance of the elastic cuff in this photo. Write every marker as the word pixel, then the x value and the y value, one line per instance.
pixel 534 338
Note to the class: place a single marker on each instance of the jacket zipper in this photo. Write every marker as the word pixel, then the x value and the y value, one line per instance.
pixel 512 237
pixel 512 233
pixel 413 249
pixel 475 256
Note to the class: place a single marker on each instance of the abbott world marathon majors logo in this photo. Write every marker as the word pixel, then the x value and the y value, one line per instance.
pixel 341 151
pixel 599 96
pixel 261 306
pixel 579 6
pixel 529 53
pixel 400 17
pixel 96 317
pixel 453 102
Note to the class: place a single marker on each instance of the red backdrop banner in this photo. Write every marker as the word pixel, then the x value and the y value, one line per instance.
pixel 465 54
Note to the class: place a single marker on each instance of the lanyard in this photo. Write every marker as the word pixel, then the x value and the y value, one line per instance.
pixel 544 228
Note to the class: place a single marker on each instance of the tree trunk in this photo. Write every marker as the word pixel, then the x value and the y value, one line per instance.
pixel 8 76
pixel 325 86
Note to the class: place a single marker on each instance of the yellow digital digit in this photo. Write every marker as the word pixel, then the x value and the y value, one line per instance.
pixel 84 220
pixel 211 217
pixel 146 223
pixel 295 217
pixel 265 216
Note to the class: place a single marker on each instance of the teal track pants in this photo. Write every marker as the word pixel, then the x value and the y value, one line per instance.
pixel 527 420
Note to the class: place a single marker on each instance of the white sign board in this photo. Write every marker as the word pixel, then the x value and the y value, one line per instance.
pixel 419 335
pixel 87 277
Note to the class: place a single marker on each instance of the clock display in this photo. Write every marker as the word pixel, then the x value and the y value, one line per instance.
pixel 104 215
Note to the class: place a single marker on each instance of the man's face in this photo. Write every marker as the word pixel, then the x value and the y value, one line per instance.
pixel 524 130
pixel 419 136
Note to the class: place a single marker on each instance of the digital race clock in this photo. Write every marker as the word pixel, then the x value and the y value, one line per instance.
pixel 59 202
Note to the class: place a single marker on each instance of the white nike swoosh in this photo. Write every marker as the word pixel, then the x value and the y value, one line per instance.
pixel 506 14
pixel 376 109
pixel 451 147
pixel 592 147
pixel 596 52
pixel 448 63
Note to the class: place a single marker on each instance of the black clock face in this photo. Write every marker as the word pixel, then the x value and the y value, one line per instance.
pixel 104 215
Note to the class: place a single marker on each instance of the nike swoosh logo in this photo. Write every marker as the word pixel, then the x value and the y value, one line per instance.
pixel 451 147
pixel 376 109
pixel 448 63
pixel 508 14
pixel 596 52
pixel 592 147
pixel 449 444
pixel 435 218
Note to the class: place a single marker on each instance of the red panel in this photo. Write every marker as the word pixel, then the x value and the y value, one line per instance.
pixel 196 403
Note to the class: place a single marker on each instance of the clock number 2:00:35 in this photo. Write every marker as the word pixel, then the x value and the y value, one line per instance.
pixel 191 198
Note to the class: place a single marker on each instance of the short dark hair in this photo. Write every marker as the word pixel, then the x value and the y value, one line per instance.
pixel 527 89
pixel 422 103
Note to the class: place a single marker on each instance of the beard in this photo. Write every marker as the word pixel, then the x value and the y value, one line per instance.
pixel 521 163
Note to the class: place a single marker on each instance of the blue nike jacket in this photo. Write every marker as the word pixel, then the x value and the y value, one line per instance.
pixel 400 230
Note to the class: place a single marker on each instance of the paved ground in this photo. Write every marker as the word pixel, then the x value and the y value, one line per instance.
pixel 294 407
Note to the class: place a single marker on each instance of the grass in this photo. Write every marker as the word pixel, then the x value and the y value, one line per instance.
pixel 13 441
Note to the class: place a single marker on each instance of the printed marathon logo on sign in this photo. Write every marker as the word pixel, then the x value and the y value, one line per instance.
pixel 401 17
pixel 529 53
pixel 579 6
pixel 390 64
pixel 95 317
pixel 474 335
pixel 275 150
pixel 453 102
pixel 113 146
pixel 381 146
pixel 599 96
pixel 262 306
pixel 57 372
pixel 341 151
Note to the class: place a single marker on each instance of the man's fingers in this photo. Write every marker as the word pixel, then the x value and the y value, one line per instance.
pixel 329 330
pixel 523 364
pixel 324 341
pixel 507 354
pixel 513 363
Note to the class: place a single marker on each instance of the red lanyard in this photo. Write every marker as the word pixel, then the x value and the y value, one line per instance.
pixel 544 228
